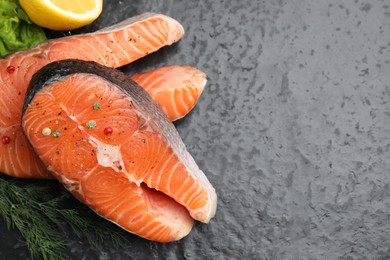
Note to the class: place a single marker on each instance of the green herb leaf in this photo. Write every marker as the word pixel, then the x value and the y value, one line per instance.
pixel 16 29
pixel 40 209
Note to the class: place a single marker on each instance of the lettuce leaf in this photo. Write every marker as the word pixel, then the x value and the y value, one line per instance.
pixel 16 29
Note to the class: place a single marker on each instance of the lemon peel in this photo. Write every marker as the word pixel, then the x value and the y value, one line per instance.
pixel 62 14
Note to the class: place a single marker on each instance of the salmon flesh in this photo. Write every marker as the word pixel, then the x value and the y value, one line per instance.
pixel 113 46
pixel 175 88
pixel 113 148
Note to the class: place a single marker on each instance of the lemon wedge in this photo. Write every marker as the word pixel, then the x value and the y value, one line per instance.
pixel 62 14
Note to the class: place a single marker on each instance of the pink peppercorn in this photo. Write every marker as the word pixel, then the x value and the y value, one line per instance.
pixel 108 130
pixel 5 139
pixel 10 69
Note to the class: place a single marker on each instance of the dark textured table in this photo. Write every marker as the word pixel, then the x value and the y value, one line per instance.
pixel 293 128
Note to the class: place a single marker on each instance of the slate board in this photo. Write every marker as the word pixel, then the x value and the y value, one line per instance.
pixel 293 128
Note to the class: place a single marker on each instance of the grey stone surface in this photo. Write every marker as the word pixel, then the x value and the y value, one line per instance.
pixel 293 128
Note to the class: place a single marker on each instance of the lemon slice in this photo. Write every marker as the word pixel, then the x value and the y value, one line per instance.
pixel 62 14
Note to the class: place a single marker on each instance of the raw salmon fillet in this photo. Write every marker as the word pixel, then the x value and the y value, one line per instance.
pixel 114 46
pixel 175 88
pixel 139 174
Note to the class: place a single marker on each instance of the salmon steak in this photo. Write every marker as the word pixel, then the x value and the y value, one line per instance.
pixel 113 46
pixel 113 148
pixel 175 88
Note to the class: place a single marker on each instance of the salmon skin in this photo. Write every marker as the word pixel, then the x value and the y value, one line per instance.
pixel 113 46
pixel 138 174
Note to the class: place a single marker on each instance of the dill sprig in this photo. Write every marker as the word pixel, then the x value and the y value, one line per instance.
pixel 41 209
